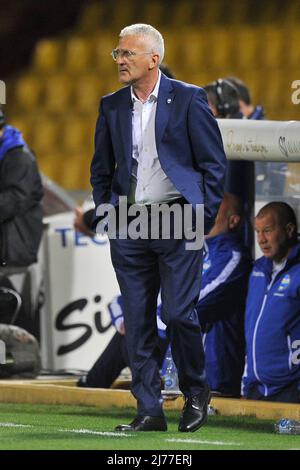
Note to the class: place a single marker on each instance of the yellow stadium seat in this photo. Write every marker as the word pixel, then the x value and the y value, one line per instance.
pixel 58 92
pixel 46 136
pixel 70 169
pixel 209 12
pixel 50 165
pixel 289 112
pixel 274 82
pixel 28 91
pixel 172 47
pixel 60 168
pixel 48 55
pixel 87 92
pixel 103 45
pixel 77 136
pixel 191 49
pixel 92 118
pixel 290 14
pixel 111 83
pixel 92 17
pixel 246 47
pixel 292 49
pixel 203 77
pixel 23 124
pixel 180 14
pixel 85 174
pixel 91 121
pixel 237 12
pixel 154 12
pixel 122 14
pixel 272 46
pixel 78 54
pixel 219 48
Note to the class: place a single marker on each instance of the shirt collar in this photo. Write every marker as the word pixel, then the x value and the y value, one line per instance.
pixel 153 95
pixel 279 266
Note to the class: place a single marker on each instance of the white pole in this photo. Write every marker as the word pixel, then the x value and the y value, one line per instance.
pixel 277 141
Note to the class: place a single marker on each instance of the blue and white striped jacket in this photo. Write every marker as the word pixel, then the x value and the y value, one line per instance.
pixel 226 269
pixel 273 326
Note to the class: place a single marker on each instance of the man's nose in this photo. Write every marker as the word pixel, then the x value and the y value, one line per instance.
pixel 261 238
pixel 120 59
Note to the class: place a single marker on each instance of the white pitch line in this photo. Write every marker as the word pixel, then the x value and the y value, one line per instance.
pixel 198 441
pixel 14 425
pixel 120 434
pixel 78 431
pixel 98 433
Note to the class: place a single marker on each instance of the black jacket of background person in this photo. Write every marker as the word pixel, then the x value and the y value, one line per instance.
pixel 21 213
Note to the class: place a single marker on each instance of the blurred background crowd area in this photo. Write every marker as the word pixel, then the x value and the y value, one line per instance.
pixel 55 60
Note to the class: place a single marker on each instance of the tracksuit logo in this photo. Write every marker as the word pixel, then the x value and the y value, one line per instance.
pixel 285 282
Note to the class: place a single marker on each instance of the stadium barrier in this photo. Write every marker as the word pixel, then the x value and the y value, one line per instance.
pixel 269 141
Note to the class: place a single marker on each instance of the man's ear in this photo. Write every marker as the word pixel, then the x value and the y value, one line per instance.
pixel 234 221
pixel 290 229
pixel 154 61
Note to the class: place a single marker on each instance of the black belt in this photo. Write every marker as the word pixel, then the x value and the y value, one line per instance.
pixel 179 200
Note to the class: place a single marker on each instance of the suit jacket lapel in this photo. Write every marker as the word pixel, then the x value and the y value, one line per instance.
pixel 164 104
pixel 125 123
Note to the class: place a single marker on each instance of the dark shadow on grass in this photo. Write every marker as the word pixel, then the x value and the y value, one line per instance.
pixel 246 423
pixel 115 413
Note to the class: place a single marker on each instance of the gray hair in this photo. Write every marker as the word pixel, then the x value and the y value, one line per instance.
pixel 155 36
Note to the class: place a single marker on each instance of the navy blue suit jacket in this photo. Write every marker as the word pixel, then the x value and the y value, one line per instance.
pixel 188 141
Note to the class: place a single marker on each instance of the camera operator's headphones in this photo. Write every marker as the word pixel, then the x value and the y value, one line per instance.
pixel 227 98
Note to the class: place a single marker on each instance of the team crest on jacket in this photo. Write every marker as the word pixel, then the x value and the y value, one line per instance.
pixel 285 282
pixel 206 265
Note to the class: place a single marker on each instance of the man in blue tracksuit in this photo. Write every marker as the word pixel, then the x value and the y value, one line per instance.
pixel 221 305
pixel 272 325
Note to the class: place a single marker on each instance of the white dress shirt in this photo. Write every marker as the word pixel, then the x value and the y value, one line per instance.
pixel 149 183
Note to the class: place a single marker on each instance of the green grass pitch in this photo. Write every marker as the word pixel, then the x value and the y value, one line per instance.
pixel 60 427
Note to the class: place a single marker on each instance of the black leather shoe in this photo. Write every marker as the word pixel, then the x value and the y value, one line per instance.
pixel 144 423
pixel 194 413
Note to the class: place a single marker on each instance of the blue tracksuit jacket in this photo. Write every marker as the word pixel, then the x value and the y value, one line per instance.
pixel 115 308
pixel 226 270
pixel 273 326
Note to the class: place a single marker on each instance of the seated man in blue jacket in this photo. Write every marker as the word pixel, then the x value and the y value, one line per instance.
pixel 222 299
pixel 272 321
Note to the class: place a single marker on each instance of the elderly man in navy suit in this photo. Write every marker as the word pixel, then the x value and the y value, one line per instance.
pixel 157 143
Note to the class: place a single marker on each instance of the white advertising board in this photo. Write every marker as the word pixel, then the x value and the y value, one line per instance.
pixel 80 283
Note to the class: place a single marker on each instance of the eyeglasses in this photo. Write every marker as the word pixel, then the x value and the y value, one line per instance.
pixel 125 54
